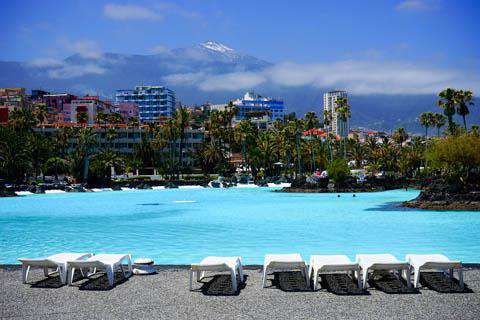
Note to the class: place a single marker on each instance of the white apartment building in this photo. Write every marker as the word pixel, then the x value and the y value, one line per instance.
pixel 338 127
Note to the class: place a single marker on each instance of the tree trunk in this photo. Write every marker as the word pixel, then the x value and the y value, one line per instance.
pixel 299 167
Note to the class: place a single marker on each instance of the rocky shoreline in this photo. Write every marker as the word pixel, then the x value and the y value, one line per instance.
pixel 445 200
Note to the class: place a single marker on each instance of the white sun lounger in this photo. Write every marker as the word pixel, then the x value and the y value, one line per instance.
pixel 283 262
pixel 218 264
pixel 56 261
pixel 332 263
pixel 105 261
pixel 371 262
pixel 419 262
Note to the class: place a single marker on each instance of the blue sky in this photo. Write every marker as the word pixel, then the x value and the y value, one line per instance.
pixel 438 31
pixel 439 37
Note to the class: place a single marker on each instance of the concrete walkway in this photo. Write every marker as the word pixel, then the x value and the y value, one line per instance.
pixel 166 296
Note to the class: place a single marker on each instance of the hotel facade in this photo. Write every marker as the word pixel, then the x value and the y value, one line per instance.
pixel 254 105
pixel 337 126
pixel 154 102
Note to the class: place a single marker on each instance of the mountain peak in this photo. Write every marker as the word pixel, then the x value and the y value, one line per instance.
pixel 216 46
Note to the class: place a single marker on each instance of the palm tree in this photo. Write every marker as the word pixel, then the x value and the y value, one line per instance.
pixel 170 132
pixel 293 131
pixel 22 119
pixel 447 103
pixel 210 156
pixel 311 120
pixel 41 112
pixel 427 119
pixel 79 158
pixel 400 136
pixel 357 153
pixel 39 149
pixel 463 99
pixel 56 165
pixel 327 119
pixel 14 154
pixel 182 119
pixel 439 121
pixel 110 135
pixel 244 133
pixel 344 113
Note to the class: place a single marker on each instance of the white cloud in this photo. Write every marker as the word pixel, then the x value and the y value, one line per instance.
pixel 159 49
pixel 185 78
pixel 68 71
pixel 358 77
pixel 174 8
pixel 45 62
pixel 232 81
pixel 129 12
pixel 84 47
pixel 417 5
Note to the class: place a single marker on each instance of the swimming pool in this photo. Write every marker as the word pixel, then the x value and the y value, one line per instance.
pixel 180 226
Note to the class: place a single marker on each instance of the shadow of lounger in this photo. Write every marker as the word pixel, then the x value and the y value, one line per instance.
pixel 99 282
pixel 221 285
pixel 53 281
pixel 388 283
pixel 440 282
pixel 290 281
pixel 341 284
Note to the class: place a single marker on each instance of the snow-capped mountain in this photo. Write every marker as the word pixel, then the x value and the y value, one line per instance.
pixel 216 46
pixel 191 71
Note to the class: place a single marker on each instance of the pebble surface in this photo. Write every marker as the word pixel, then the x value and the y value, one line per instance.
pixel 165 295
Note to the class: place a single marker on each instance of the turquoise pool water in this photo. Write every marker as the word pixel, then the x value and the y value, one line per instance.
pixel 182 226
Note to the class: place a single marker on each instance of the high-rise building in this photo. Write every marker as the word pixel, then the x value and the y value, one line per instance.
pixel 255 106
pixel 154 102
pixel 337 125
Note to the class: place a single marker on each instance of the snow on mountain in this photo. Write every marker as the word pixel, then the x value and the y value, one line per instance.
pixel 216 46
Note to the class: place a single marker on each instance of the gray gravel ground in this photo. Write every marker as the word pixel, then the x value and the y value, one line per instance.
pixel 166 296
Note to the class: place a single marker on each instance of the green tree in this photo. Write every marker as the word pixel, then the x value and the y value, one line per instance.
pixel 400 136
pixel 182 119
pixel 447 103
pixel 82 117
pixel 338 171
pixel 311 120
pixel 14 154
pixel 456 158
pixel 463 100
pixel 39 148
pixel 440 121
pixel 86 143
pixel 427 119
pixel 344 113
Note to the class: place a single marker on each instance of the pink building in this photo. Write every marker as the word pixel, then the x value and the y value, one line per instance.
pixel 127 110
pixel 89 105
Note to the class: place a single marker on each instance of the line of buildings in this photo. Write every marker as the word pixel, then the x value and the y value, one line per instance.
pixel 152 103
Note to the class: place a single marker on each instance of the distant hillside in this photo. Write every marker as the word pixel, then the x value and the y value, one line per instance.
pixel 180 69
